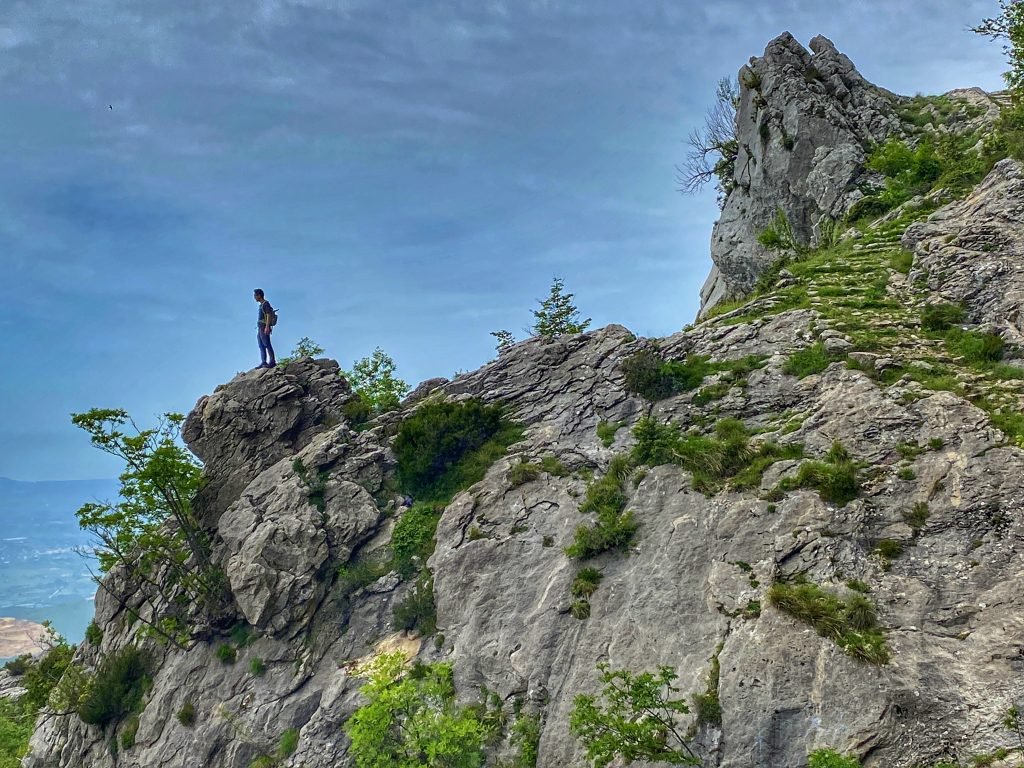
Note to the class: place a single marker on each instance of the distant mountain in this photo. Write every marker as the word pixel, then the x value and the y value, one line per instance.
pixel 43 574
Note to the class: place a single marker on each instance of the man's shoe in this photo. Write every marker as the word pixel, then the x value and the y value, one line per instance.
pixel 261 365
pixel 272 365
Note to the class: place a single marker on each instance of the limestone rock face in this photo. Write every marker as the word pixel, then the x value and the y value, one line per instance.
pixel 803 123
pixel 258 418
pixel 971 251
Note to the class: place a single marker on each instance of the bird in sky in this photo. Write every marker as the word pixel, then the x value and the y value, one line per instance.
pixel 111 106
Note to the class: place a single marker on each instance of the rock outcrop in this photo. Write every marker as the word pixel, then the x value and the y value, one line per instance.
pixel 803 123
pixel 935 536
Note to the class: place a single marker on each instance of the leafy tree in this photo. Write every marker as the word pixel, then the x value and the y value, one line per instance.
pixel 411 720
pixel 714 147
pixel 636 720
pixel 1008 26
pixel 557 314
pixel 305 347
pixel 39 676
pixel 373 379
pixel 153 532
pixel 505 340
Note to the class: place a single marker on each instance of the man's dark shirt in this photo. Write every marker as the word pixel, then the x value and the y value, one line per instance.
pixel 261 318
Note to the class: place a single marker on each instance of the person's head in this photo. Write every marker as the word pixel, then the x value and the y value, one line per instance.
pixel 258 294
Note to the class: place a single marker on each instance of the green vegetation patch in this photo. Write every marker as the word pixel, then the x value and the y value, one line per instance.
pixel 614 528
pixel 445 447
pixel 835 479
pixel 411 718
pixel 851 623
pixel 805 362
pixel 418 611
pixel 829 758
pixel 977 349
pixel 726 457
pixel 606 432
pixel 942 316
pixel 633 719
pixel 654 378
pixel 121 680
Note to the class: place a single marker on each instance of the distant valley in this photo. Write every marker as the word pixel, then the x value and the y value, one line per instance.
pixel 43 574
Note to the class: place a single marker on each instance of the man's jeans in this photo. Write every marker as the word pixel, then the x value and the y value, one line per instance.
pixel 265 346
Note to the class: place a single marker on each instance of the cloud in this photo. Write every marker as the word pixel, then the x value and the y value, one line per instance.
pixel 402 174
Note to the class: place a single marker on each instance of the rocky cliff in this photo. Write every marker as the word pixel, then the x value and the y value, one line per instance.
pixel 804 124
pixel 835 378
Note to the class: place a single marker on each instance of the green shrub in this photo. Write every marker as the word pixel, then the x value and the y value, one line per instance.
pixel 129 732
pixel 712 392
pixel 917 515
pixel 227 653
pixel 902 262
pixel 851 624
pixel 418 611
pixel 829 758
pixel 17 667
pixel 941 317
pixel 414 714
pixel 868 207
pixel 357 411
pixel 288 744
pixel 257 666
pixel 614 528
pixel 778 235
pixel 804 362
pixel 187 714
pixel 445 447
pixel 241 634
pixel 888 550
pixel 653 378
pixel 580 609
pixel 412 540
pixel 906 473
pixel 835 479
pixel 586 582
pixel 93 634
pixel 526 731
pixel 707 705
pixel 359 573
pixel 41 677
pixel 978 349
pixel 522 473
pixel 121 680
pixel 606 432
pixel 373 380
pixel 632 719
pixel 712 460
pixel 858 586
pixel 553 466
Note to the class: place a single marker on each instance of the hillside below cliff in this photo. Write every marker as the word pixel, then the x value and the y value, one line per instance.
pixel 810 504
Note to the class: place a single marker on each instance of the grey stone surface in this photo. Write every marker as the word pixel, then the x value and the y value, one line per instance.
pixel 802 125
pixel 972 251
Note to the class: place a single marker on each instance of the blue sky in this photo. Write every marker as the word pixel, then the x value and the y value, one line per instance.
pixel 406 174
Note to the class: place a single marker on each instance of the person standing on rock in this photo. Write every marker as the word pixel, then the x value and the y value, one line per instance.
pixel 265 322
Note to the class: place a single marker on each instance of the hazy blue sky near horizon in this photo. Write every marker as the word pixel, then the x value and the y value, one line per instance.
pixel 406 174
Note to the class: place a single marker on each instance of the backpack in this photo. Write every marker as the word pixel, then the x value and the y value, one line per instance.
pixel 271 316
